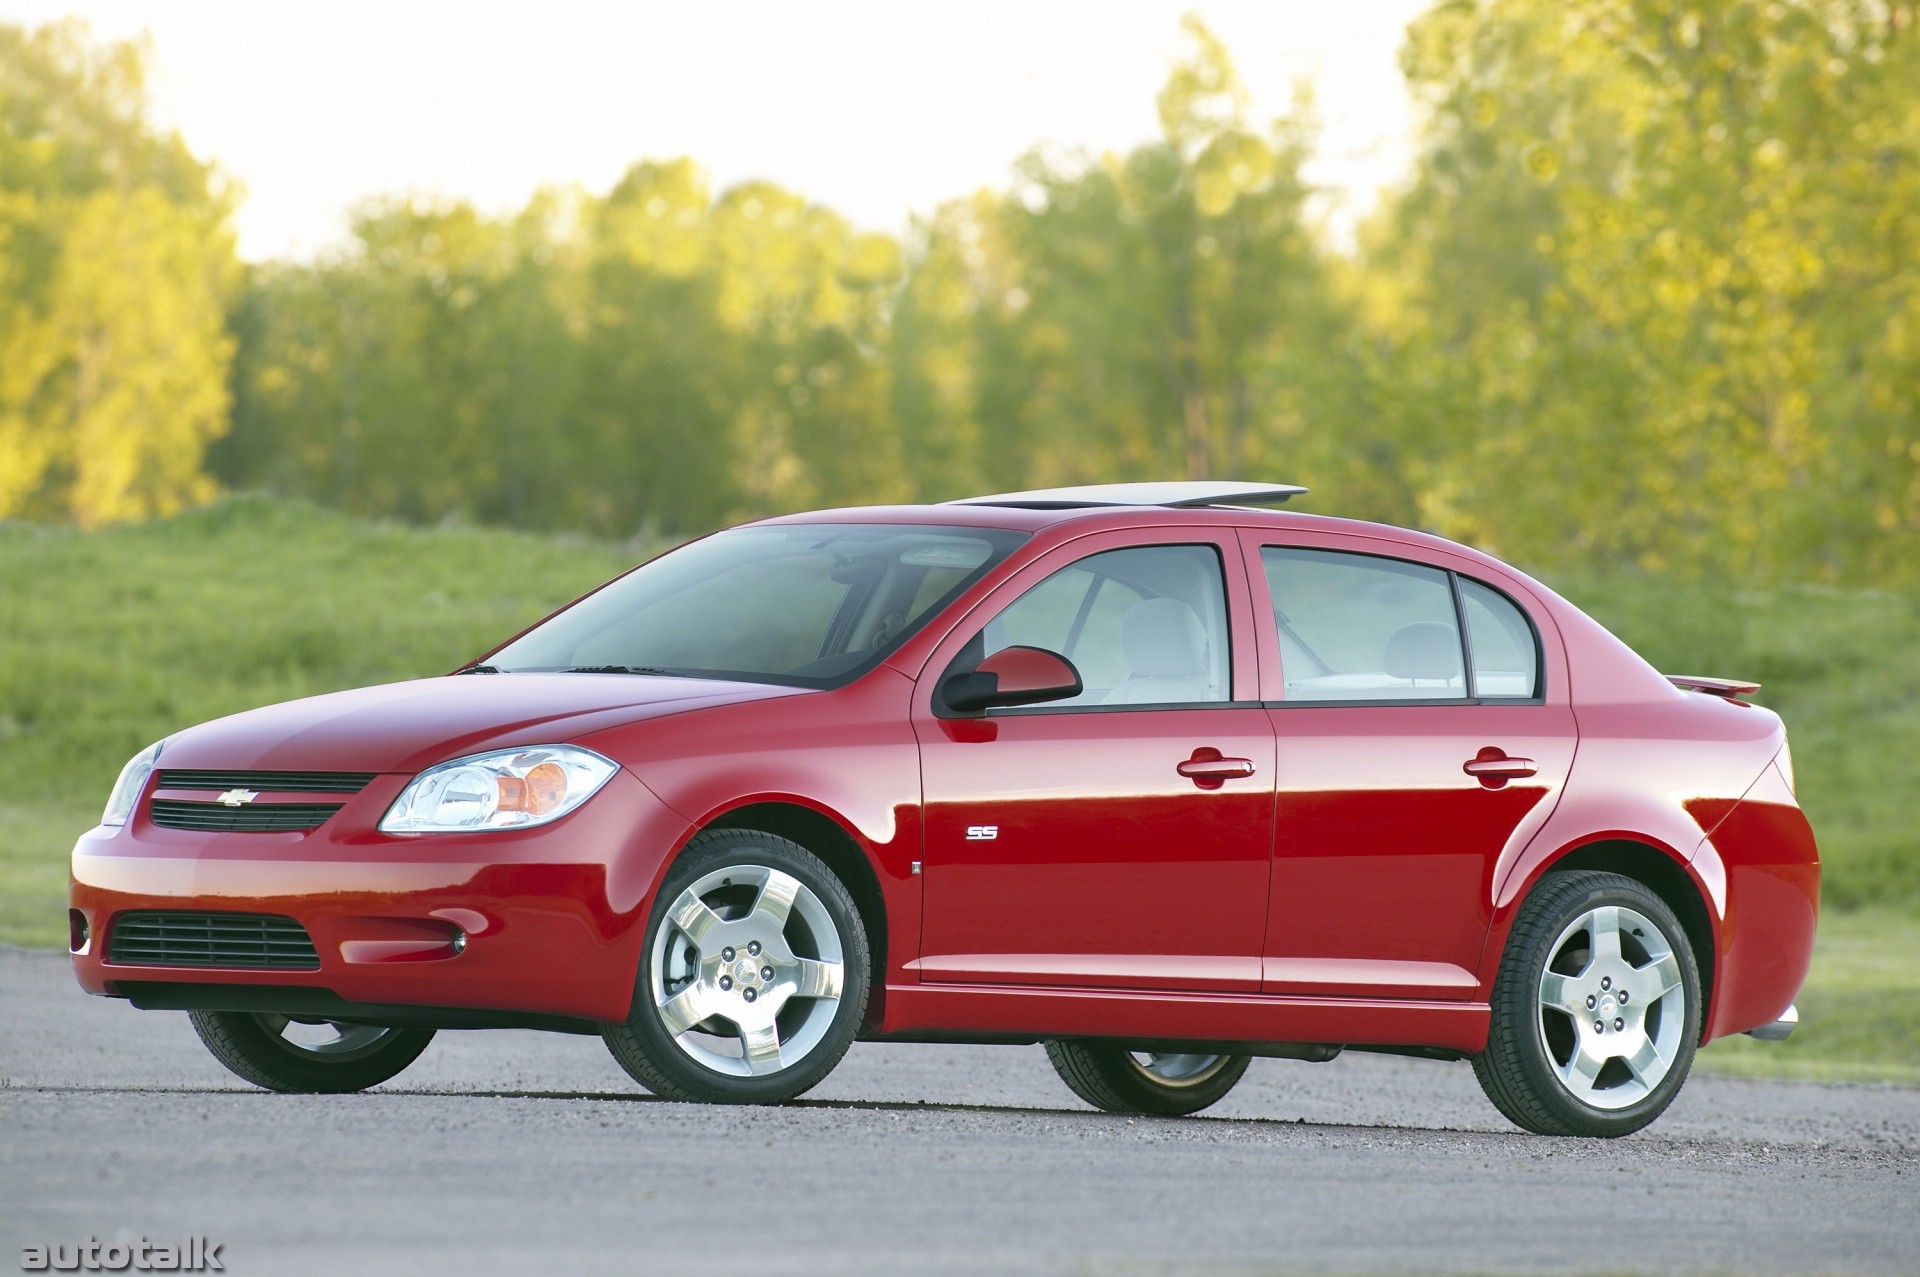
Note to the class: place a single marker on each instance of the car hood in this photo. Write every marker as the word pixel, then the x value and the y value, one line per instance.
pixel 403 727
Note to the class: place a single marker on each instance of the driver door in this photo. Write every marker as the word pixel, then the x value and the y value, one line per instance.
pixel 1121 838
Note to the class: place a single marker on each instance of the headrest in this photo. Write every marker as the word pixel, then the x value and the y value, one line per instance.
pixel 1424 650
pixel 1162 638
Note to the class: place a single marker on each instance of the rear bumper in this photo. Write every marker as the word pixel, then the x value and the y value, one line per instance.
pixel 551 917
pixel 1762 862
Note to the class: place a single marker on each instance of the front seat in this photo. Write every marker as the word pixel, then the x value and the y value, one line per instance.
pixel 1165 647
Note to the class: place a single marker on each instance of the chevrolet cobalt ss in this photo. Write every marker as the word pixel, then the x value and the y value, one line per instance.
pixel 1140 772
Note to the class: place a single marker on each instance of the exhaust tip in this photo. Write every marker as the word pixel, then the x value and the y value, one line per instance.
pixel 1780 1030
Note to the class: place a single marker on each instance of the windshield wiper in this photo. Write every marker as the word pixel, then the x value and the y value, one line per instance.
pixel 479 669
pixel 619 669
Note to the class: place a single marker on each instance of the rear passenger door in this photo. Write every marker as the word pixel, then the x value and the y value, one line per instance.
pixel 1418 737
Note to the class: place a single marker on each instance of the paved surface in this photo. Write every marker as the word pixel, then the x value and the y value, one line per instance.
pixel 509 1152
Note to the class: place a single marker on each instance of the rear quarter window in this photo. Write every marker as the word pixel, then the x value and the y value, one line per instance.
pixel 1506 654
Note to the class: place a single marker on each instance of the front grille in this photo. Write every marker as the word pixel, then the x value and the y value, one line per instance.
pixel 251 818
pixel 249 940
pixel 270 782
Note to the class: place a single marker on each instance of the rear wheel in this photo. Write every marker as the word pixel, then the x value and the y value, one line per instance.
pixel 1596 1009
pixel 285 1054
pixel 1121 1081
pixel 754 978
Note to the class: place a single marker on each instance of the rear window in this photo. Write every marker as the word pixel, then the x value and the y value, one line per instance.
pixel 1353 627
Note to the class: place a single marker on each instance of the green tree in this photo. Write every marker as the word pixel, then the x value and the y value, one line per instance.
pixel 115 264
pixel 660 358
pixel 429 369
pixel 1657 267
pixel 1133 316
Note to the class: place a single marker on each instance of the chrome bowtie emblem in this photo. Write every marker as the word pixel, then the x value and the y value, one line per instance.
pixel 236 797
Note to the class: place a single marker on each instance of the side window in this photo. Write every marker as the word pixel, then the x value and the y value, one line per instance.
pixel 1506 659
pixel 1144 626
pixel 1354 627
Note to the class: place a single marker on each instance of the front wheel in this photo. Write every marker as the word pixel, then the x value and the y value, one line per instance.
pixel 284 1054
pixel 754 977
pixel 1171 1084
pixel 1596 1009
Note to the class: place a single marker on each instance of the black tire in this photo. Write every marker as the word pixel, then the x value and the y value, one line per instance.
pixel 1109 1077
pixel 252 1046
pixel 684 1066
pixel 1530 1046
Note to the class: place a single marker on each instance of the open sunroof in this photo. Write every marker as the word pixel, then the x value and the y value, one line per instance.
pixel 1187 494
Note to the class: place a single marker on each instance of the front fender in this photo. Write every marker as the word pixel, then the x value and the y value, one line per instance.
pixel 848 756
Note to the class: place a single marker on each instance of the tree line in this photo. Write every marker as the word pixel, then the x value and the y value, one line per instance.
pixel 1649 296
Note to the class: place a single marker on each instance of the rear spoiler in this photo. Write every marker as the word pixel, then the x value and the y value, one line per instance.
pixel 1729 688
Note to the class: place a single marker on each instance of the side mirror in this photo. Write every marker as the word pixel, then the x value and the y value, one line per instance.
pixel 1012 676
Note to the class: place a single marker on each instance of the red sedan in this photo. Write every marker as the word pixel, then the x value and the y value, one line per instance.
pixel 1142 772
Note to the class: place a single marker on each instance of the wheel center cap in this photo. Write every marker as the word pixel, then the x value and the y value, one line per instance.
pixel 746 972
pixel 1608 1006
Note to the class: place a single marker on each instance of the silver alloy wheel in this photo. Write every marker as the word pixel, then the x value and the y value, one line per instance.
pixel 323 1039
pixel 1612 1007
pixel 747 970
pixel 1169 1069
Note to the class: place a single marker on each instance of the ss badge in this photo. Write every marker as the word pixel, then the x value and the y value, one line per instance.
pixel 982 833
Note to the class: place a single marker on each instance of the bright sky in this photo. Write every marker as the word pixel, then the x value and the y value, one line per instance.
pixel 878 108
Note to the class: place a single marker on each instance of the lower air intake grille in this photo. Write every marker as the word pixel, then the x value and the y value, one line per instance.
pixel 242 940
pixel 253 818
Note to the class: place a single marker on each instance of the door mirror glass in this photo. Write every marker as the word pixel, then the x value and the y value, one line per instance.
pixel 1013 676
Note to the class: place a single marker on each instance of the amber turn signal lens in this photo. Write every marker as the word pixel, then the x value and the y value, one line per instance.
pixel 543 790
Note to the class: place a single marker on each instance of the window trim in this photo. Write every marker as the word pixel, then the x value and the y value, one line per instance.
pixel 1454 577
pixel 1157 707
pixel 1466 636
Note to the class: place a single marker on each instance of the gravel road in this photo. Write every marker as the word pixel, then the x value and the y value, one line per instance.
pixel 511 1152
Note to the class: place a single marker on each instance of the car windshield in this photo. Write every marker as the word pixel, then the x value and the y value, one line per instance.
pixel 810 605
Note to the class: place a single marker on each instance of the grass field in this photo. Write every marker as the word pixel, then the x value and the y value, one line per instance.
pixel 111 639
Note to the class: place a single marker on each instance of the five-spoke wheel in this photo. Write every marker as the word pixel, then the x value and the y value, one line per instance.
pixel 1595 1009
pixel 1612 1007
pixel 754 979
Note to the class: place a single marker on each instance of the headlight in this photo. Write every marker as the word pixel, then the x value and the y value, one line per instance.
pixel 126 790
pixel 509 789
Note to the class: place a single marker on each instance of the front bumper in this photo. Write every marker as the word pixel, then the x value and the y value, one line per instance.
pixel 551 916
